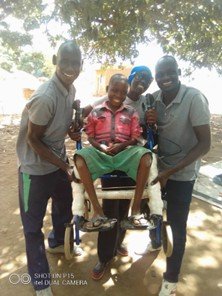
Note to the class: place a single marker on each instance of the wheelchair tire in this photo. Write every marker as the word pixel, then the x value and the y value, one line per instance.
pixel 167 238
pixel 69 242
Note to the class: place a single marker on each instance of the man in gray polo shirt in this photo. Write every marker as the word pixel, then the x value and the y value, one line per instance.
pixel 43 168
pixel 183 138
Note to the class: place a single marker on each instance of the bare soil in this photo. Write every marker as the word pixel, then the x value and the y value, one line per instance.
pixel 201 273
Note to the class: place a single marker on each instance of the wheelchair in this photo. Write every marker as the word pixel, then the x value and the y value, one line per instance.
pixel 115 185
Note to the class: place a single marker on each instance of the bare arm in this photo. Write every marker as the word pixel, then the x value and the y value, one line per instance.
pixel 34 138
pixel 201 148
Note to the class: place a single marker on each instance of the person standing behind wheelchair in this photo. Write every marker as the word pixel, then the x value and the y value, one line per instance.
pixel 183 119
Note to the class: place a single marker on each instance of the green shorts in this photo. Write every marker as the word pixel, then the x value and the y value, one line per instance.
pixel 99 163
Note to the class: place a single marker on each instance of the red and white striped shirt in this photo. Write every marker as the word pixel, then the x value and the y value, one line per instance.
pixel 106 126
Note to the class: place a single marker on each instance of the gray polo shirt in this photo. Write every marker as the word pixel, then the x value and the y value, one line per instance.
pixel 51 106
pixel 175 125
pixel 139 105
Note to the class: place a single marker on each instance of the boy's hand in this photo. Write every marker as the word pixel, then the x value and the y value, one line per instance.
pixel 151 116
pixel 114 149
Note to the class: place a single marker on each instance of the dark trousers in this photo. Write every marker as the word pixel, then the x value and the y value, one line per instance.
pixel 34 193
pixel 110 241
pixel 178 195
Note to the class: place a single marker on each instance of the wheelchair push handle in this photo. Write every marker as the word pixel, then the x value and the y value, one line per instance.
pixel 149 104
pixel 77 121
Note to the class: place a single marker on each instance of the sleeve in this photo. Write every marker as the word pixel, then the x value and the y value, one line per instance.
pixel 199 111
pixel 136 129
pixel 99 102
pixel 90 126
pixel 41 110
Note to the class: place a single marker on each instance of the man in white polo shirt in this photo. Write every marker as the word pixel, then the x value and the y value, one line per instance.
pixel 183 138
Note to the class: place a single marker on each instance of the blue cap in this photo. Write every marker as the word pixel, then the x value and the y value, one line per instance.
pixel 139 69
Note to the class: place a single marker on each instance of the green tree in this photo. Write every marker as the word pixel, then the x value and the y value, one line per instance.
pixel 36 64
pixel 108 30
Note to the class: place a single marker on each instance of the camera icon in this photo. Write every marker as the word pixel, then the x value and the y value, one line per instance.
pixel 15 278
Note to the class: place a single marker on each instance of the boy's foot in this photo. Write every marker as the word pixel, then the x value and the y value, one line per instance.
pixel 168 289
pixel 44 292
pixel 147 250
pixel 99 223
pixel 77 250
pixel 136 222
pixel 98 271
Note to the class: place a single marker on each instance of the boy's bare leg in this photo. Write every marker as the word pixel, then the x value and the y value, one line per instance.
pixel 141 181
pixel 88 184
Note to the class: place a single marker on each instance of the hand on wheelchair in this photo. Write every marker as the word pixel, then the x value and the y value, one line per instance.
pixel 69 173
pixel 151 116
pixel 162 177
pixel 74 132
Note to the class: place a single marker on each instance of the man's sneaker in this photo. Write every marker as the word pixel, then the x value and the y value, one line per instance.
pixel 168 289
pixel 98 271
pixel 77 251
pixel 122 251
pixel 44 292
pixel 147 250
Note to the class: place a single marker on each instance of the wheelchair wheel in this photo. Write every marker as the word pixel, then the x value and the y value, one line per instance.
pixel 69 241
pixel 167 238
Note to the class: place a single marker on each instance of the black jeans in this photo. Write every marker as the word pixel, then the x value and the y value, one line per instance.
pixel 178 195
pixel 34 193
pixel 110 241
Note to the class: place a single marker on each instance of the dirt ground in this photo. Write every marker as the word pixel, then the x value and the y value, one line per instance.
pixel 201 273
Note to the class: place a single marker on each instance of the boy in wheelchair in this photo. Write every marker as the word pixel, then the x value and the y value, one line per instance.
pixel 113 130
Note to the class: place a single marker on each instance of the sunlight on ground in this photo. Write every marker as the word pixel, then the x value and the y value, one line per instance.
pixel 21 259
pixel 5 250
pixel 124 267
pixel 160 262
pixel 16 212
pixel 207 262
pixel 108 284
pixel 9 267
pixel 191 281
pixel 197 218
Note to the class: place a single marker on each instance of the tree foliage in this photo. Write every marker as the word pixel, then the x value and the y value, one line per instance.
pixel 36 64
pixel 108 30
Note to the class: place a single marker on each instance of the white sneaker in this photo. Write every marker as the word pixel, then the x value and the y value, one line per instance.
pixel 77 251
pixel 44 292
pixel 168 289
pixel 147 250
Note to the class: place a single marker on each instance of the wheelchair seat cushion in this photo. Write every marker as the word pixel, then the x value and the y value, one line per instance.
pixel 117 179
